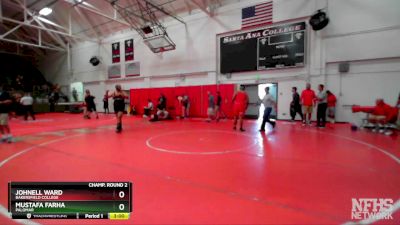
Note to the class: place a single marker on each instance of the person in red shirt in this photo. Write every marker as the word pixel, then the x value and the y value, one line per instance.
pixel 308 98
pixel 331 105
pixel 240 103
pixel 381 114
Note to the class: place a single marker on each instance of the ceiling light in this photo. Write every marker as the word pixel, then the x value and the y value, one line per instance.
pixel 45 11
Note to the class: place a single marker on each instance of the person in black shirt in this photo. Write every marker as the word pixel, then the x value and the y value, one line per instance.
pixel 295 106
pixel 162 112
pixel 185 106
pixel 90 105
pixel 5 107
pixel 218 106
pixel 105 103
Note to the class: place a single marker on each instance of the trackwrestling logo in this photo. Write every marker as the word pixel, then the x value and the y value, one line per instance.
pixel 372 208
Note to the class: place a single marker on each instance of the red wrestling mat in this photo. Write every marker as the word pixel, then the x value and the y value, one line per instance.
pixel 192 172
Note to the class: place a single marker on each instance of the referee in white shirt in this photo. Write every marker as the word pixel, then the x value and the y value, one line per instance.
pixel 269 102
pixel 27 104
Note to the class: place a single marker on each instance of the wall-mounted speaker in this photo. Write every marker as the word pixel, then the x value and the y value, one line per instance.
pixel 319 20
pixel 344 67
pixel 94 61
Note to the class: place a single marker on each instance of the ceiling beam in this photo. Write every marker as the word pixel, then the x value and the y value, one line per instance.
pixel 47 29
pixel 202 7
pixel 33 45
pixel 87 20
pixel 55 37
pixel 36 50
pixel 165 12
pixel 97 12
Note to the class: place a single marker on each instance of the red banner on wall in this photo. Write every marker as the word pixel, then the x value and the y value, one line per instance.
pixel 129 55
pixel 116 53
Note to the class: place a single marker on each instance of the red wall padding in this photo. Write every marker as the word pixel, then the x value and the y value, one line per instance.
pixel 197 95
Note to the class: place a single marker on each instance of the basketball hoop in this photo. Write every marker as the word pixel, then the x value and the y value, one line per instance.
pixel 147 25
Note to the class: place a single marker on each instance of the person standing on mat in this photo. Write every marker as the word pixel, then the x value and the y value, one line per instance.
pixel 295 106
pixel 27 104
pixel 185 106
pixel 240 104
pixel 331 99
pixel 307 100
pixel 322 106
pixel 218 109
pixel 211 107
pixel 269 102
pixel 5 108
pixel 119 97
pixel 90 105
pixel 105 103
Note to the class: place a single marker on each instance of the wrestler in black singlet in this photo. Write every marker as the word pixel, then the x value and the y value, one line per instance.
pixel 90 105
pixel 119 103
pixel 119 106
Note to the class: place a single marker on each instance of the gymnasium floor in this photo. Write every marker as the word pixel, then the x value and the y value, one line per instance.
pixel 193 172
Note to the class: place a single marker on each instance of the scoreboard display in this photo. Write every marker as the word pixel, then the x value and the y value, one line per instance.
pixel 269 48
pixel 70 200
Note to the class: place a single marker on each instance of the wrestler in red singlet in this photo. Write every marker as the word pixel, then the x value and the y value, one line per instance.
pixel 240 103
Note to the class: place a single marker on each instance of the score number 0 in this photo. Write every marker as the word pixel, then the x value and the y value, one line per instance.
pixel 121 194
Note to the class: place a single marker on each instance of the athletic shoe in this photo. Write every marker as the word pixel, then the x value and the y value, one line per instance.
pixel 242 130
pixel 388 133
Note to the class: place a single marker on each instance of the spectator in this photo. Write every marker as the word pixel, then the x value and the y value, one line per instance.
pixel 211 107
pixel 162 112
pixel 74 94
pixel 148 109
pixel 269 102
pixel 322 100
pixel 185 106
pixel 218 107
pixel 331 106
pixel 382 114
pixel 307 100
pixel 295 106
pixel 27 104
pixel 5 104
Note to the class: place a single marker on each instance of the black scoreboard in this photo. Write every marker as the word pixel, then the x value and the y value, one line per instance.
pixel 269 48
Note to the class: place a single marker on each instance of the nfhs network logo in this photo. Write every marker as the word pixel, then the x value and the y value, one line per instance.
pixel 372 208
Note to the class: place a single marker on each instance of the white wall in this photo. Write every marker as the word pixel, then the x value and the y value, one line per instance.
pixel 362 32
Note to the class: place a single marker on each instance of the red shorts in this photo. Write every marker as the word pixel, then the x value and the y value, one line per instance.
pixel 239 109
